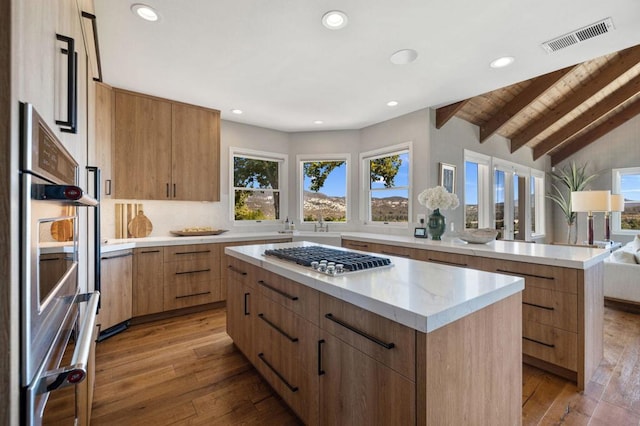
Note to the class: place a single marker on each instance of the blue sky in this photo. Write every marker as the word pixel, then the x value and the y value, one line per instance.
pixel 630 187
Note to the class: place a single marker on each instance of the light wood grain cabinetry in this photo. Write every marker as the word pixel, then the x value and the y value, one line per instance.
pixel 148 281
pixel 164 150
pixel 116 271
pixel 191 275
pixel 103 135
pixel 241 305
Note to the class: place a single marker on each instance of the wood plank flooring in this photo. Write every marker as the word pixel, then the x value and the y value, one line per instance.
pixel 186 371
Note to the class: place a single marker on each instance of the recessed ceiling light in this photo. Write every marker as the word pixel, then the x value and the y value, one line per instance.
pixel 145 12
pixel 318 122
pixel 404 56
pixel 335 19
pixel 236 111
pixel 502 62
pixel 392 103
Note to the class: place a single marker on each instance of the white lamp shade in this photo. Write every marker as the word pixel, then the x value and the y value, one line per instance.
pixel 591 201
pixel 617 203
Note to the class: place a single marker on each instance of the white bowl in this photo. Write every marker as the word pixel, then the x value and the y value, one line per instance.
pixel 478 236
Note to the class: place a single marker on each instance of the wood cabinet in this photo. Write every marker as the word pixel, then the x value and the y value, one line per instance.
pixel 562 312
pixel 241 294
pixel 148 281
pixel 116 271
pixel 103 135
pixel 368 367
pixel 191 275
pixel 164 150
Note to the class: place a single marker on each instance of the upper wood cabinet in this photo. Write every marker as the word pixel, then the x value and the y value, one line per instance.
pixel 164 150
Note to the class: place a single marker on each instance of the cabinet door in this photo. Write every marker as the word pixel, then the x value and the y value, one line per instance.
pixel 103 129
pixel 240 314
pixel 195 153
pixel 115 289
pixel 357 390
pixel 142 147
pixel 148 281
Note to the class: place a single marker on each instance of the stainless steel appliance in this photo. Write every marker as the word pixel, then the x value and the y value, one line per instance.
pixel 51 311
pixel 328 260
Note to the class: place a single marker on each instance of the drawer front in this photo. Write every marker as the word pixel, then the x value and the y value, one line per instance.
pixel 238 271
pixel 190 283
pixel 286 331
pixel 445 258
pixel 298 298
pixel 550 307
pixel 395 251
pixel 550 344
pixel 386 341
pixel 191 252
pixel 297 387
pixel 358 245
pixel 543 276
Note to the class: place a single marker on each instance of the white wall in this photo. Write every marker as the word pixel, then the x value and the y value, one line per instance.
pixel 448 145
pixel 617 149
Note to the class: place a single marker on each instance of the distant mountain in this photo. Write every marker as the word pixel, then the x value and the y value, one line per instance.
pixel 317 204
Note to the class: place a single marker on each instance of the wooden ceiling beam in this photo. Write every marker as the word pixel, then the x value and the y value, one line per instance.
pixel 538 86
pixel 632 110
pixel 445 113
pixel 627 59
pixel 602 108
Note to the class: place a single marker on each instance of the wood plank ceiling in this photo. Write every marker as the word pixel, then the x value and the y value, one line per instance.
pixel 561 112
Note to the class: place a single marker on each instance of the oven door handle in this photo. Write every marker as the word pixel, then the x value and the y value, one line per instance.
pixel 77 371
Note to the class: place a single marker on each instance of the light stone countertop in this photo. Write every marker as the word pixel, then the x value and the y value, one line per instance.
pixel 575 257
pixel 544 254
pixel 421 295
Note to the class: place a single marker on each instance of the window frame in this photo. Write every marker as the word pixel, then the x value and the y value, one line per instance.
pixel 365 189
pixel 485 187
pixel 540 219
pixel 616 217
pixel 305 158
pixel 282 182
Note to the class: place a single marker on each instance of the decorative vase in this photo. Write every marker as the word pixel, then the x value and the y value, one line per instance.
pixel 436 225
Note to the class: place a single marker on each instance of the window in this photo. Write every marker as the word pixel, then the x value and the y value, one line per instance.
pixel 386 182
pixel 627 182
pixel 476 190
pixel 257 183
pixel 537 197
pixel 324 184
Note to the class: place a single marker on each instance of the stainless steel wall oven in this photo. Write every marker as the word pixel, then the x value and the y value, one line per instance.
pixel 51 311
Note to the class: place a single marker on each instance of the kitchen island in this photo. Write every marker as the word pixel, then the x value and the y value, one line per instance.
pixel 411 343
pixel 563 300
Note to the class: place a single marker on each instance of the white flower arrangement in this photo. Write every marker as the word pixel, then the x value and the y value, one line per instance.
pixel 438 198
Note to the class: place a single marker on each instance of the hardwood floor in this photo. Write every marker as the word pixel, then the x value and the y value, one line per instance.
pixel 186 371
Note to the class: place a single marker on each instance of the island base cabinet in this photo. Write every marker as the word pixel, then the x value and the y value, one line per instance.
pixel 470 371
pixel 355 389
pixel 241 307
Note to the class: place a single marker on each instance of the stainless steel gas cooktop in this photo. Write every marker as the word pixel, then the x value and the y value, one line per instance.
pixel 329 261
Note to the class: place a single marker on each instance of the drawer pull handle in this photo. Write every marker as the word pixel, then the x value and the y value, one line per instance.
pixel 278 329
pixel 525 275
pixel 246 304
pixel 276 290
pixel 444 262
pixel 375 340
pixel 116 256
pixel 149 251
pixel 539 342
pixel 359 245
pixel 320 369
pixel 408 256
pixel 193 295
pixel 194 272
pixel 192 252
pixel 236 270
pixel 263 359
pixel 539 306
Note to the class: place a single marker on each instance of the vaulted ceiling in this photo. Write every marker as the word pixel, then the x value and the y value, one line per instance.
pixel 561 112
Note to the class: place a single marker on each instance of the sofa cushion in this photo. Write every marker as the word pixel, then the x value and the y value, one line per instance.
pixel 635 244
pixel 623 256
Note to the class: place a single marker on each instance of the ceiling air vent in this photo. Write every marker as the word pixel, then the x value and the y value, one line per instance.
pixel 578 36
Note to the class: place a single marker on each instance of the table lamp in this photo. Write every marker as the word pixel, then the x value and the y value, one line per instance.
pixel 617 205
pixel 589 202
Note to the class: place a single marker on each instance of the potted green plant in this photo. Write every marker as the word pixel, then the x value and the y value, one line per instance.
pixel 569 179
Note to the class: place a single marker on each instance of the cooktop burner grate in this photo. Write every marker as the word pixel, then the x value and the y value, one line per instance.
pixel 344 261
